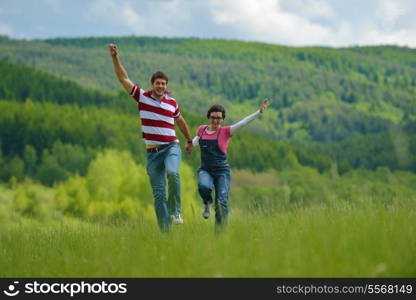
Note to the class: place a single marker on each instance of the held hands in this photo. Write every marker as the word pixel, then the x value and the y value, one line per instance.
pixel 264 105
pixel 113 50
pixel 188 147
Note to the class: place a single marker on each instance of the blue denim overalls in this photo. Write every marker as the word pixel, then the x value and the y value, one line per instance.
pixel 214 170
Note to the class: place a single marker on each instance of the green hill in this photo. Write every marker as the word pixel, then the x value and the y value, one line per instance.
pixel 50 129
pixel 325 100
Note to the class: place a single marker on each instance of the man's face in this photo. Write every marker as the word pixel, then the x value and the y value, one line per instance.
pixel 159 87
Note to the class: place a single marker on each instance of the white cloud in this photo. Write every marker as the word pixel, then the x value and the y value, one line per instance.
pixel 6 30
pixel 390 11
pixel 374 36
pixel 160 18
pixel 388 22
pixel 116 12
pixel 309 8
pixel 131 18
pixel 266 21
pixel 296 23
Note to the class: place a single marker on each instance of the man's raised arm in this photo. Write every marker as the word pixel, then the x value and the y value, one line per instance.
pixel 120 71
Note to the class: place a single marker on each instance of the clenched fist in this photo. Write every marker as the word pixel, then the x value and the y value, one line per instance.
pixel 264 105
pixel 113 49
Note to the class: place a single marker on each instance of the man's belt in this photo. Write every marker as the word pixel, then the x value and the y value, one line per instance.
pixel 157 148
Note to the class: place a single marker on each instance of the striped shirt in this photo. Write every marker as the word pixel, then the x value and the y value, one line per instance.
pixel 157 117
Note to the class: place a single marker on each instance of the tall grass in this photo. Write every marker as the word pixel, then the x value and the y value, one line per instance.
pixel 312 242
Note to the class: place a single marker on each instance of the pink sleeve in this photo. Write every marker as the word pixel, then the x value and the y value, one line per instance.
pixel 228 132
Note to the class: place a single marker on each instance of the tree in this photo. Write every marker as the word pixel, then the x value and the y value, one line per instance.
pixel 30 159
pixel 49 171
pixel 16 168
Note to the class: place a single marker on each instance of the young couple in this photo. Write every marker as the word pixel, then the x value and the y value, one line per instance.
pixel 159 112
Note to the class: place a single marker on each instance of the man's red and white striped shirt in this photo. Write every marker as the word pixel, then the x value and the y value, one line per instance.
pixel 157 117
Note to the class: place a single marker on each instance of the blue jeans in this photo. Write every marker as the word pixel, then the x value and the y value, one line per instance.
pixel 165 163
pixel 220 178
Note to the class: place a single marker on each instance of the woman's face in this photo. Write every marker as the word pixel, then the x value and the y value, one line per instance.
pixel 215 119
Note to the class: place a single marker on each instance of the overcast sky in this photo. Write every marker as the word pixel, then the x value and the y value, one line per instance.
pixel 285 22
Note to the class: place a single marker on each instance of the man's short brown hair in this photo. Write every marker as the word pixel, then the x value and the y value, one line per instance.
pixel 159 75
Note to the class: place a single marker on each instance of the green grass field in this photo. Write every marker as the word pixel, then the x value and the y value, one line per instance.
pixel 312 242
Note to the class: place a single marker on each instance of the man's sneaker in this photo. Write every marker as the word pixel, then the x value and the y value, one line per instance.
pixel 177 219
pixel 206 213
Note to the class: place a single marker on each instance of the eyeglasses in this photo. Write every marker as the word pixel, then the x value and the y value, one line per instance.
pixel 215 118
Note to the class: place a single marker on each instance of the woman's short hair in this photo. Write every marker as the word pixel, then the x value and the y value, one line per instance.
pixel 216 108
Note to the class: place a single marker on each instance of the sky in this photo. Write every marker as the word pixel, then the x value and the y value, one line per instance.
pixel 334 23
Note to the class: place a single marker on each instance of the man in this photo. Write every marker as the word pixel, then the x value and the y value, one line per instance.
pixel 159 113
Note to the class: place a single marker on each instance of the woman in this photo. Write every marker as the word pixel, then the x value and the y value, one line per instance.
pixel 213 140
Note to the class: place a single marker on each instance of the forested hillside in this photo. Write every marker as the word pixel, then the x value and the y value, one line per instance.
pixel 356 105
pixel 51 129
